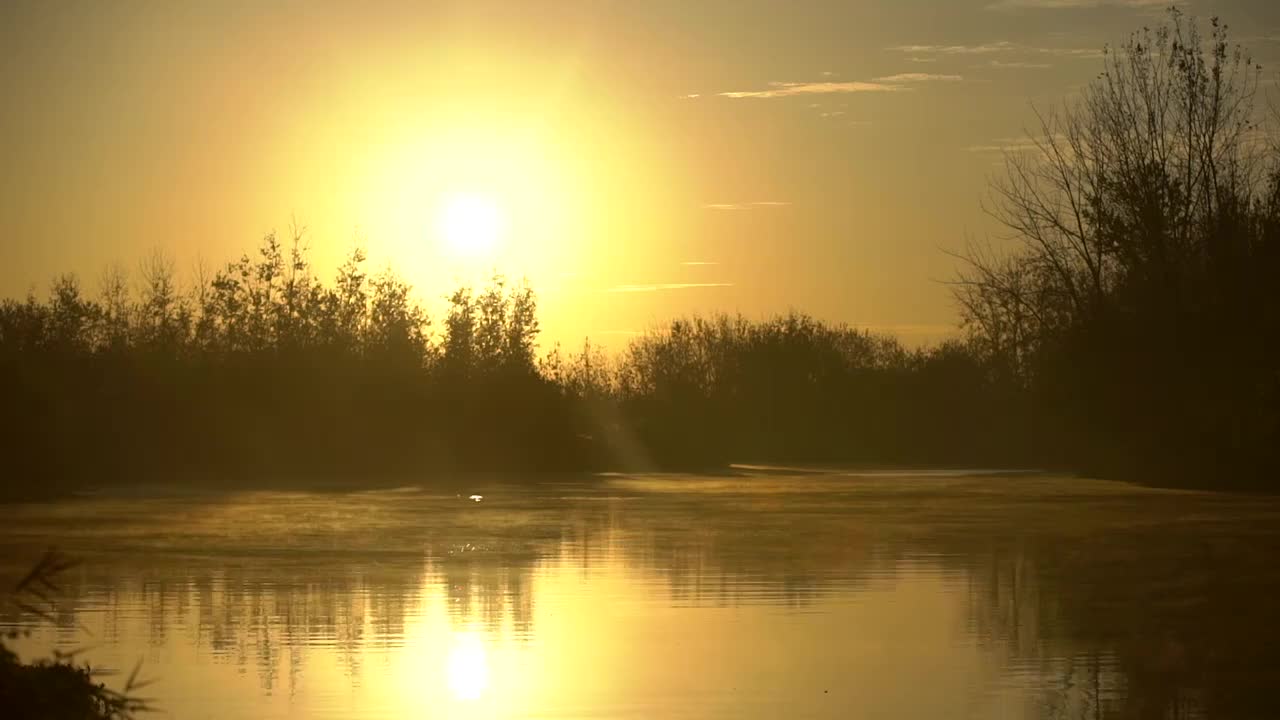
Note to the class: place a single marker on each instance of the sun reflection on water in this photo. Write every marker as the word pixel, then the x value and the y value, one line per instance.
pixel 468 666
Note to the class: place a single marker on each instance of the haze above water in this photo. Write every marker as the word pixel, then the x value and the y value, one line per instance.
pixel 761 595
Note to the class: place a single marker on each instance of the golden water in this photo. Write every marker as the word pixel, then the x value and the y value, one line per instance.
pixel 761 595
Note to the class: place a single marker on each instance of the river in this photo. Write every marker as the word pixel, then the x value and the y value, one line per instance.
pixel 763 593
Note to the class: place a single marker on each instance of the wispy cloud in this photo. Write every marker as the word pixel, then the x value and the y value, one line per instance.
pixel 998 47
pixel 1014 65
pixel 698 263
pixel 918 78
pixel 655 287
pixel 745 206
pixel 1075 4
pixel 993 47
pixel 889 83
pixel 788 89
pixel 1086 53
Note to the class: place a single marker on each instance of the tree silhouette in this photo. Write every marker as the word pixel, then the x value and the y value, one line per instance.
pixel 1137 300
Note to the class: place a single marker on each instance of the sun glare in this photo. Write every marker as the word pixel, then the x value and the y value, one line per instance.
pixel 468 667
pixel 470 224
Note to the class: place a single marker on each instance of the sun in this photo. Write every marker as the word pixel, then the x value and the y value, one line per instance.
pixel 470 224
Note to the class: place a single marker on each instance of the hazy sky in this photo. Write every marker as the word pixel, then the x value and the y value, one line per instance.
pixel 648 158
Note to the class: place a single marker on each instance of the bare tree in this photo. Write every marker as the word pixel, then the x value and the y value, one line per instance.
pixel 1124 191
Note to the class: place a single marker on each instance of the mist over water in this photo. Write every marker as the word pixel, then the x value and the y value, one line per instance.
pixel 758 595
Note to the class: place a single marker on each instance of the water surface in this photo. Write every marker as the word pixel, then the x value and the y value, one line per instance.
pixel 763 595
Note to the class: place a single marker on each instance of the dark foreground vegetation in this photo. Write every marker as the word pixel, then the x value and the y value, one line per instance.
pixel 1129 326
pixel 1139 309
pixel 57 688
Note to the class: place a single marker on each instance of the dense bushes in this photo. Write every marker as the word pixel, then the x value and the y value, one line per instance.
pixel 794 389
pixel 262 373
pixel 262 370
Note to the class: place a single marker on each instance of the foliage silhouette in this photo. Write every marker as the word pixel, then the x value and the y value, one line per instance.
pixel 1138 306
pixel 260 372
pixel 260 367
pixel 58 687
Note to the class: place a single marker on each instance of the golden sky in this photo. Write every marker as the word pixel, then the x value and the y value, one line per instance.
pixel 633 160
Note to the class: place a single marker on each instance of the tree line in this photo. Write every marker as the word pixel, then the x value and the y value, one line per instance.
pixel 262 370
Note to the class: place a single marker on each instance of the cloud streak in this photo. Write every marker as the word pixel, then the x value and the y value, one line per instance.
pixel 789 89
pixel 1015 65
pixel 1078 4
pixel 886 84
pixel 992 48
pixel 983 49
pixel 655 287
pixel 745 206
pixel 916 77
